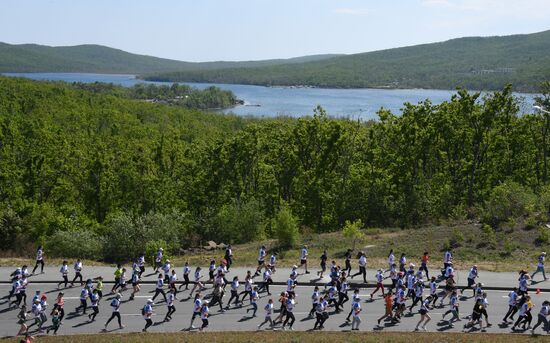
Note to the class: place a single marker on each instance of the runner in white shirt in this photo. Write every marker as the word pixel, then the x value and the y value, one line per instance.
pixel 362 267
pixel 543 313
pixel 147 313
pixel 115 305
pixel 261 260
pixel 268 312
pixel 141 264
pixel 170 304
pixel 197 283
pixel 424 309
pixel 512 305
pixel 78 272
pixel 356 308
pixel 64 270
pixel 272 262
pixel 205 313
pixel 314 301
pixel 303 258
pixel 540 266
pixel 197 305
pixel 290 303
pixel 186 271
pixel 39 260
pixel 160 288
pixel 391 259
pixel 158 259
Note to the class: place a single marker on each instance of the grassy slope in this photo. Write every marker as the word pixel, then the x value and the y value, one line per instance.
pixel 439 65
pixel 271 337
pixel 514 249
pixel 101 59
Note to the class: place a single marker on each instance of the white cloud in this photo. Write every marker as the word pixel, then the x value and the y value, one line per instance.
pixel 352 11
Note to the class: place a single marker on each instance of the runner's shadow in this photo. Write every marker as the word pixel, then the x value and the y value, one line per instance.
pixel 158 323
pixel 306 319
pixel 150 274
pixel 7 309
pixel 345 324
pixel 111 330
pixel 83 324
pixel 245 318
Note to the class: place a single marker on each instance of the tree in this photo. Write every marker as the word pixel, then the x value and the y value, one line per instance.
pixel 285 227
pixel 352 231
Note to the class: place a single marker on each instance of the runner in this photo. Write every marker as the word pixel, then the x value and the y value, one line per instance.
pixel 39 260
pixel 94 300
pixel 84 294
pixel 115 304
pixel 402 263
pixel 99 287
pixel 261 260
pixel 204 315
pixel 211 270
pixel 253 299
pixel 267 280
pixel 197 283
pixel 314 301
pixel 543 313
pixel 388 303
pixel 217 296
pixel 170 305
pixel 64 270
pixel 356 308
pixel 36 310
pixel 323 264
pixel 147 313
pixel 234 292
pixel 117 274
pixel 197 305
pixel 362 267
pixel 78 272
pixel 282 312
pixel 342 294
pixel 321 313
pixel 303 258
pixel 135 285
pixel 228 256
pixel 540 266
pixel 56 322
pixel 433 291
pixel 160 288
pixel 347 261
pixel 453 310
pixel 391 259
pixel 22 320
pixel 268 308
pixel 379 283
pixel 512 305
pixel 290 303
pixel 58 306
pixel 172 282
pixel 158 259
pixel 522 312
pixel 141 264
pixel 355 298
pixel 247 287
pixel 272 261
pixel 186 271
pixel 424 263
pixel 424 316
pixel 471 279
pixel 476 316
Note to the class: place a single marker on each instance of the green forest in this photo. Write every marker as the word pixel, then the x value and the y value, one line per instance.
pixel 481 63
pixel 97 174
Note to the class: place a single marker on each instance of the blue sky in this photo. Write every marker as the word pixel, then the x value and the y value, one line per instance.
pixel 207 30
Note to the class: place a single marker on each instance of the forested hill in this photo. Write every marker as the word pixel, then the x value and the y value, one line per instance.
pixel 102 59
pixel 79 164
pixel 476 63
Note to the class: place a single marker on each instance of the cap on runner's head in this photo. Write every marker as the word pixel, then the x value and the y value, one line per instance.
pixel 475 266
pixel 544 253
pixel 206 302
pixel 149 301
pixel 44 297
pixel 161 249
pixel 167 261
pixel 118 296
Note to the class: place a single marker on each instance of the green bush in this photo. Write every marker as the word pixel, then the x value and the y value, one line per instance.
pixel 508 200
pixel 125 234
pixel 285 227
pixel 10 227
pixel 352 231
pixel 74 244
pixel 543 236
pixel 239 223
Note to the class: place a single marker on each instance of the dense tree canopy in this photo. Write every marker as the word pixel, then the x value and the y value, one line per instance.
pixel 74 160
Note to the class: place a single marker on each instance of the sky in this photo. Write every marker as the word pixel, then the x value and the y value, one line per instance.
pixel 212 30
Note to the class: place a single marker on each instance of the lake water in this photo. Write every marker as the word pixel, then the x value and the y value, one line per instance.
pixel 273 101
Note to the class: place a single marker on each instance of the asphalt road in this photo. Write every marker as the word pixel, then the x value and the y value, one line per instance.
pixel 237 319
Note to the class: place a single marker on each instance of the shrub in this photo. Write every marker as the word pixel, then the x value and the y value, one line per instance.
pixel 508 200
pixel 285 227
pixel 125 235
pixel 10 227
pixel 352 231
pixel 543 236
pixel 240 223
pixel 75 244
pixel 457 237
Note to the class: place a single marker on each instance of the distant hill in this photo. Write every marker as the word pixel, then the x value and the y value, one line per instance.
pixel 483 63
pixel 102 59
